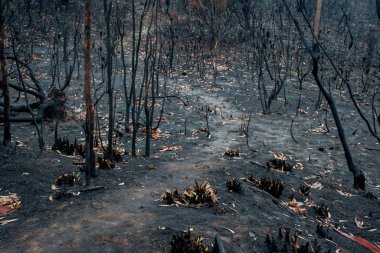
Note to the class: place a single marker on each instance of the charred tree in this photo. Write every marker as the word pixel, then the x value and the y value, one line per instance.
pixel 137 31
pixel 4 79
pixel 120 23
pixel 135 57
pixel 107 16
pixel 359 179
pixel 90 121
pixel 316 24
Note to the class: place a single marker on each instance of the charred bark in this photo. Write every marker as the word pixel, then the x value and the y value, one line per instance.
pixel 90 119
pixel 109 48
pixel 7 137
pixel 359 179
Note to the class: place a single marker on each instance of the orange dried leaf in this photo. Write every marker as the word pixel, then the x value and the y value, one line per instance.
pixel 155 134
pixel 369 245
pixel 296 207
pixel 9 203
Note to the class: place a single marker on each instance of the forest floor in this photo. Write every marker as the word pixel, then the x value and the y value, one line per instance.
pixel 128 214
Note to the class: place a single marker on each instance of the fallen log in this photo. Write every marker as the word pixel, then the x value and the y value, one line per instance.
pixel 46 109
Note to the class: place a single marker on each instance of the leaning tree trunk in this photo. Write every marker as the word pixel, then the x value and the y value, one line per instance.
pixel 359 179
pixel 90 122
pixel 4 81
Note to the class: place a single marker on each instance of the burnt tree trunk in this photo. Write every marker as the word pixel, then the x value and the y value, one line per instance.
pixel 359 179
pixel 132 96
pixel 107 13
pixel 90 122
pixel 4 80
pixel 316 24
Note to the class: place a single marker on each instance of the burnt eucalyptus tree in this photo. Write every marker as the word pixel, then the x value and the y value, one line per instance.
pixel 137 32
pixel 90 122
pixel 359 179
pixel 121 12
pixel 107 8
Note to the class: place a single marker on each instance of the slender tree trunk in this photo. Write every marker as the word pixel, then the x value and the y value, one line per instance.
pixel 4 80
pixel 90 122
pixel 247 13
pixel 133 83
pixel 107 13
pixel 136 43
pixel 316 24
pixel 127 98
pixel 378 8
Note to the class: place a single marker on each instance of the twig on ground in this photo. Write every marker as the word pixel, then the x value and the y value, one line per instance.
pixel 224 204
pixel 90 189
pixel 230 230
pixel 258 164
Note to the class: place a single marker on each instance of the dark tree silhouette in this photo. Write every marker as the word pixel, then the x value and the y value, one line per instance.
pixel 359 179
pixel 4 79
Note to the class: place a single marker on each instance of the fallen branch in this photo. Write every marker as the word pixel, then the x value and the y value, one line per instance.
pixel 90 189
pixel 22 108
pixel 45 110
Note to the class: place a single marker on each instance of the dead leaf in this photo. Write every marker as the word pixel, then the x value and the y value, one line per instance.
pixel 170 148
pixel 228 229
pixel 9 203
pixel 359 223
pixel 54 187
pixel 301 110
pixel 346 194
pixel 280 156
pixel 319 130
pixel 4 222
pixel 316 185
pixel 295 206
pixel 298 166
pixel 155 134
pixel 232 152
